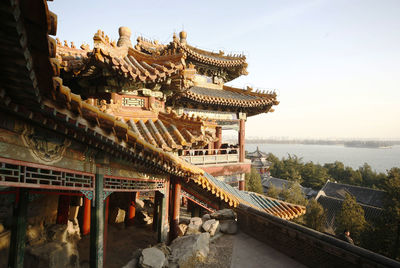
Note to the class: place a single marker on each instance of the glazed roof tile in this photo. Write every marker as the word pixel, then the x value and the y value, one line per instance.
pixel 363 195
pixel 250 101
pixel 126 62
pixel 333 206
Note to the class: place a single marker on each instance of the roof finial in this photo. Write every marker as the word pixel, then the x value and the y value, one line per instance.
pixel 183 36
pixel 124 37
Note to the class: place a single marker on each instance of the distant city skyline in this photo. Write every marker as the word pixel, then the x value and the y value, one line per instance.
pixel 335 64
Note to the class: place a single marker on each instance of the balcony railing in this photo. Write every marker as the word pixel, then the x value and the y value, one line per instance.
pixel 211 156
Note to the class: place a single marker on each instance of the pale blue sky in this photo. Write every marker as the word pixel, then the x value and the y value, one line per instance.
pixel 335 64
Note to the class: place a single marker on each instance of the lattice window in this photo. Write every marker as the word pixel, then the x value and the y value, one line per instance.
pixel 121 184
pixel 23 174
pixel 133 102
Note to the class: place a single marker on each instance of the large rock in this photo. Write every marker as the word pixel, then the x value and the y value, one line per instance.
pixel 194 226
pixel 229 227
pixel 206 217
pixel 188 250
pixel 214 228
pixel 143 218
pixel 207 225
pixel 1 228
pixel 35 235
pixel 182 229
pixel 134 262
pixel 152 258
pixel 117 215
pixel 53 254
pixel 223 214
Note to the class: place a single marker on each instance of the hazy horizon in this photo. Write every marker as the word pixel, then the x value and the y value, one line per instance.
pixel 335 64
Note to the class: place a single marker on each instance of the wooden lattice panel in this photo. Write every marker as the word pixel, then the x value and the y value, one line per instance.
pixel 23 174
pixel 120 184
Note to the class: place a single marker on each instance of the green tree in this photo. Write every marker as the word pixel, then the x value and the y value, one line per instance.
pixel 314 176
pixel 273 192
pixel 351 216
pixel 253 181
pixel 315 216
pixel 389 227
pixel 294 194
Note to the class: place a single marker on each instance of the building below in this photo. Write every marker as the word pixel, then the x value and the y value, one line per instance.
pixel 332 195
pixel 259 162
pixel 280 184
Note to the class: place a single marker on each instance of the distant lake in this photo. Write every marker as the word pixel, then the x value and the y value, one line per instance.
pixel 379 159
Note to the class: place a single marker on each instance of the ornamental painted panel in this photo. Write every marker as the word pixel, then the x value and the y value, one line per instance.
pixel 44 146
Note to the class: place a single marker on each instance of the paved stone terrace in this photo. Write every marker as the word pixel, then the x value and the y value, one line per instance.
pixel 249 252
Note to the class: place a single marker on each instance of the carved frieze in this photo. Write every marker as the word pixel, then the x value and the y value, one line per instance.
pixel 45 147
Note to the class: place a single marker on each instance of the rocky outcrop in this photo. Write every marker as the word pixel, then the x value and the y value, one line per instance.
pixel 211 226
pixel 57 248
pixel 223 214
pixel 182 229
pixel 188 250
pixel 152 258
pixel 194 226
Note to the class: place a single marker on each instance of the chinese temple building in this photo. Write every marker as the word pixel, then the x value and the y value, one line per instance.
pixel 87 131
pixel 260 162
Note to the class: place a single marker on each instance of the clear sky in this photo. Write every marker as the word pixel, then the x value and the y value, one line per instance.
pixel 335 64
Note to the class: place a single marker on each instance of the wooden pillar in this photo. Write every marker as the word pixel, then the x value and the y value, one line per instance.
pixel 241 140
pixel 63 209
pixel 176 207
pixel 131 209
pixel 156 211
pixel 86 217
pixel 162 232
pixel 18 232
pixel 241 185
pixel 106 210
pixel 218 134
pixel 242 182
pixel 97 224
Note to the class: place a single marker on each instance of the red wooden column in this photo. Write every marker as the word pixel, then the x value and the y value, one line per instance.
pixel 218 134
pixel 241 185
pixel 63 209
pixel 86 217
pixel 241 139
pixel 176 206
pixel 131 209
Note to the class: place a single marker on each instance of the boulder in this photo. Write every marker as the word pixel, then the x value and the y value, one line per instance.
pixel 188 250
pixel 1 228
pixel 132 264
pixel 139 204
pixel 223 214
pixel 142 218
pixel 214 228
pixel 182 229
pixel 229 227
pixel 53 254
pixel 194 226
pixel 206 217
pixel 207 225
pixel 152 258
pixel 35 234
pixel 117 215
